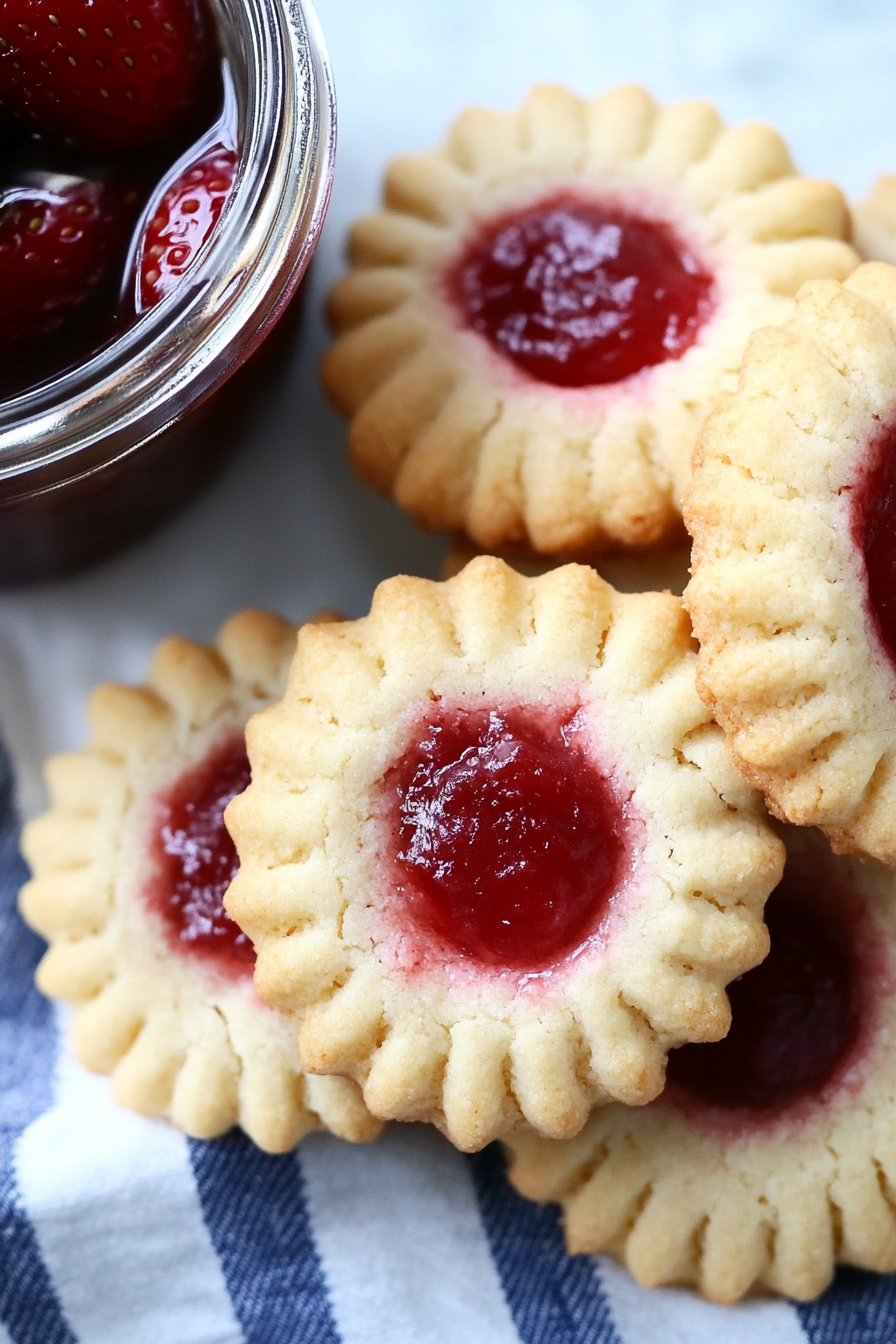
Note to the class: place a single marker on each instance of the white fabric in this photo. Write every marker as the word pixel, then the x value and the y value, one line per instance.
pixel 112 1197
pixel 674 1316
pixel 404 1209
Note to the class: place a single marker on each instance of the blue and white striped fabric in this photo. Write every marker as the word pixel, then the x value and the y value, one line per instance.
pixel 116 1230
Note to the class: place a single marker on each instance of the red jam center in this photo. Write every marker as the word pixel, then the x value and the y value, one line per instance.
pixel 195 859
pixel 874 525
pixel 795 1018
pixel 581 293
pixel 509 842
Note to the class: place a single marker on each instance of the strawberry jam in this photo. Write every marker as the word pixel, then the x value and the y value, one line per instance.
pixel 874 516
pixel 796 1018
pixel 183 221
pixel 508 842
pixel 581 293
pixel 99 105
pixel 195 859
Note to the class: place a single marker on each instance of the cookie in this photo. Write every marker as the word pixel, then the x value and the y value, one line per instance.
pixel 874 222
pixel 537 319
pixel 792 514
pixel 494 858
pixel 130 865
pixel 771 1155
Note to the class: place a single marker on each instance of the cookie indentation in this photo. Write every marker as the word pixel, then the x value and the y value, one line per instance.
pixel 580 292
pixel 195 859
pixel 508 839
pixel 795 1019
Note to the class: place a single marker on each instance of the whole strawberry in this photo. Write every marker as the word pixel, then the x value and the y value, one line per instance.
pixel 57 247
pixel 105 75
pixel 181 220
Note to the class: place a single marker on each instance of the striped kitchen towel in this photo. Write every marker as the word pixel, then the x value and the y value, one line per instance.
pixel 117 1230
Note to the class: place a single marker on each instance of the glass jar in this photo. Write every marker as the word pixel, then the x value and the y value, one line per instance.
pixel 94 458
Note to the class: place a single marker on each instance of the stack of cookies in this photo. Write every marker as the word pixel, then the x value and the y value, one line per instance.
pixel 501 850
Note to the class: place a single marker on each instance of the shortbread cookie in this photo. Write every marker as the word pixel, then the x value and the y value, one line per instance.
pixel 874 222
pixel 130 867
pixel 771 1155
pixel 793 513
pixel 664 570
pixel 535 323
pixel 494 857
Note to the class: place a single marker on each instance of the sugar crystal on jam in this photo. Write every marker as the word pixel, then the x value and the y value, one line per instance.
pixel 580 292
pixel 194 859
pixel 509 841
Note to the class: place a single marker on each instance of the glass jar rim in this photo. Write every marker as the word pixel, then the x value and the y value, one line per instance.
pixel 179 351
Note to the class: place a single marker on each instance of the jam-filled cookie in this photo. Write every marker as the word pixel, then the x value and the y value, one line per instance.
pixel 771 1155
pixel 494 857
pixel 130 867
pixel 535 323
pixel 793 599
pixel 874 222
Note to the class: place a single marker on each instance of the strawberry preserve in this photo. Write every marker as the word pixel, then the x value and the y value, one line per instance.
pixel 507 841
pixel 102 104
pixel 582 293
pixel 165 169
pixel 802 1019
pixel 194 860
